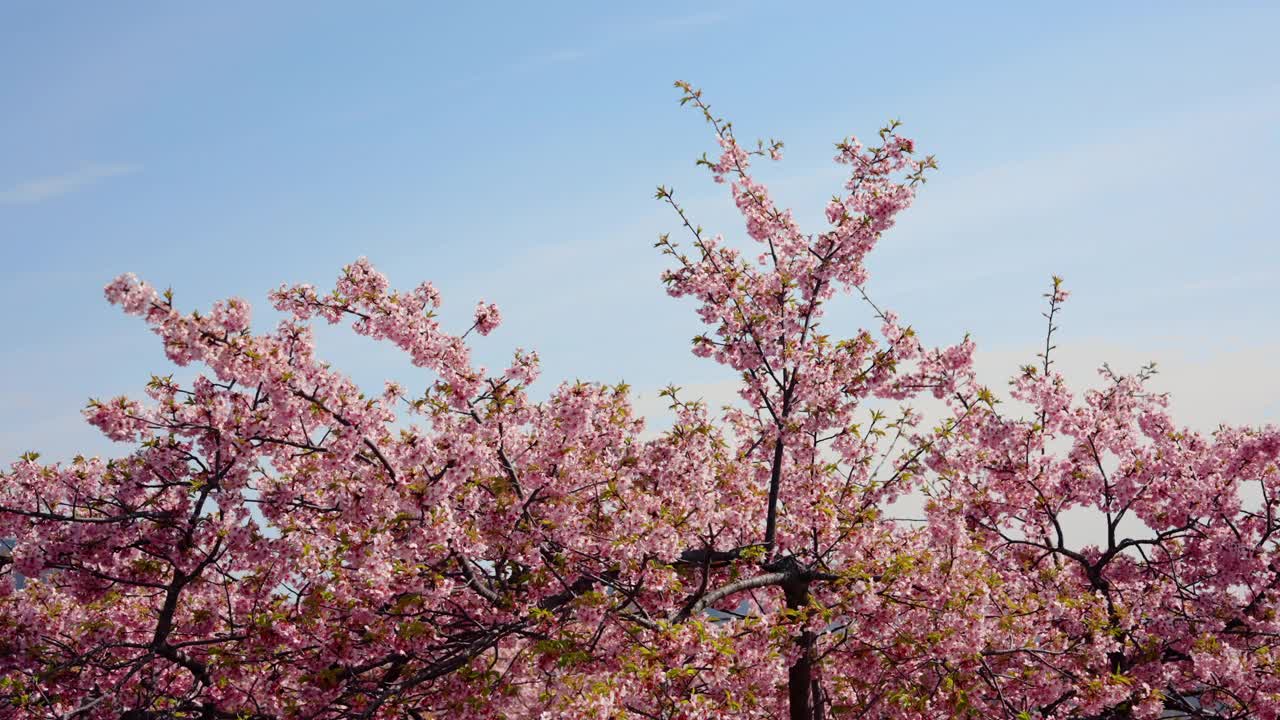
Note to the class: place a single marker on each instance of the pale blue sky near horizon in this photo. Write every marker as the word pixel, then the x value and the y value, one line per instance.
pixel 509 152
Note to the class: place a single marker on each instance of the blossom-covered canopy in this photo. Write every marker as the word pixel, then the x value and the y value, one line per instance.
pixel 280 544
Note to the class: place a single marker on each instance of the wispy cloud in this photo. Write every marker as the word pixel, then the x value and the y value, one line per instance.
pixel 563 55
pixel 698 19
pixel 546 59
pixel 609 38
pixel 1245 280
pixel 46 188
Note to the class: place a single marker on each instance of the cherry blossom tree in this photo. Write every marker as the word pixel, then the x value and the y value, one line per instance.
pixel 1170 611
pixel 279 544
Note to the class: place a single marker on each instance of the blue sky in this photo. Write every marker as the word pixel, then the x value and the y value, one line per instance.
pixel 509 152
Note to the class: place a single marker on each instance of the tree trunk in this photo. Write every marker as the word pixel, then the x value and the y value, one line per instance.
pixel 802 690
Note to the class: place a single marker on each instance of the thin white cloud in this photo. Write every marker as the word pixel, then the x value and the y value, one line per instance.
pixel 46 188
pixel 547 59
pixel 1246 280
pixel 1063 180
pixel 698 19
pixel 563 55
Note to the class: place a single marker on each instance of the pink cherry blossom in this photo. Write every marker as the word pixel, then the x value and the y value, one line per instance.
pixel 274 542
